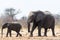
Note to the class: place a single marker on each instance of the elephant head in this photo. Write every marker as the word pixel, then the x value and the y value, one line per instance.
pixel 30 20
pixel 4 26
pixel 37 16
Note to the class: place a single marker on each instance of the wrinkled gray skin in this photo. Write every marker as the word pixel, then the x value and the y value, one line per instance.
pixel 11 26
pixel 42 21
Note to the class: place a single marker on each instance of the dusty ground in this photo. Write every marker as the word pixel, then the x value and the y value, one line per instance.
pixel 25 35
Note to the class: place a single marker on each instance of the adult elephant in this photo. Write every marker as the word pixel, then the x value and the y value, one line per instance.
pixel 12 26
pixel 42 21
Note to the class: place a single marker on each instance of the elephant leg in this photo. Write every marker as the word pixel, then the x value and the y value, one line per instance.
pixel 10 33
pixel 18 34
pixel 34 26
pixel 53 31
pixel 45 33
pixel 7 33
pixel 39 30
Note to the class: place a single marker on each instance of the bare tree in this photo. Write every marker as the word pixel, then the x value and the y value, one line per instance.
pixel 10 14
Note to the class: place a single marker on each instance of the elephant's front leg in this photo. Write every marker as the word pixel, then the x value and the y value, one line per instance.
pixel 45 33
pixel 34 26
pixel 39 30
pixel 17 34
pixel 10 32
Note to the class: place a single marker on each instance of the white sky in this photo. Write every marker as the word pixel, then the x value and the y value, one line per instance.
pixel 29 5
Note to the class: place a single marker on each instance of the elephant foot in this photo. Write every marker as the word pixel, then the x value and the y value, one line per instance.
pixel 28 31
pixel 39 35
pixel 10 36
pixel 31 35
pixel 45 35
pixel 6 36
pixel 54 35
pixel 16 36
pixel 20 35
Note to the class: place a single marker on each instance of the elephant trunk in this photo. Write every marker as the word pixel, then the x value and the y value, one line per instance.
pixel 28 27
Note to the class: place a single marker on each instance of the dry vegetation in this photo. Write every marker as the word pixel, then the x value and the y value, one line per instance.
pixel 25 35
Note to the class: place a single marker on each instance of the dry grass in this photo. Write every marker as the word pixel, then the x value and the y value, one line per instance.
pixel 25 35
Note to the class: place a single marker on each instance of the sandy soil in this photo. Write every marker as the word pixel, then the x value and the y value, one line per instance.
pixel 25 35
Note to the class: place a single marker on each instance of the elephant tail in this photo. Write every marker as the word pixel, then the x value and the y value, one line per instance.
pixel 2 32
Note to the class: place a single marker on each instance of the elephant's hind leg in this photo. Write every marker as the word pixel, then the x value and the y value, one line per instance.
pixel 34 26
pixel 10 33
pixel 45 33
pixel 18 34
pixel 53 32
pixel 52 28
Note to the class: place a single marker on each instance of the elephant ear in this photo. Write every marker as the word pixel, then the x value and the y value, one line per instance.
pixel 39 16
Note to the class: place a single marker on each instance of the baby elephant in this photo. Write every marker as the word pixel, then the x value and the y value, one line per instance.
pixel 12 26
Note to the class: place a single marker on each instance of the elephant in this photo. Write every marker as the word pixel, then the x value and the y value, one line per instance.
pixel 41 20
pixel 12 26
